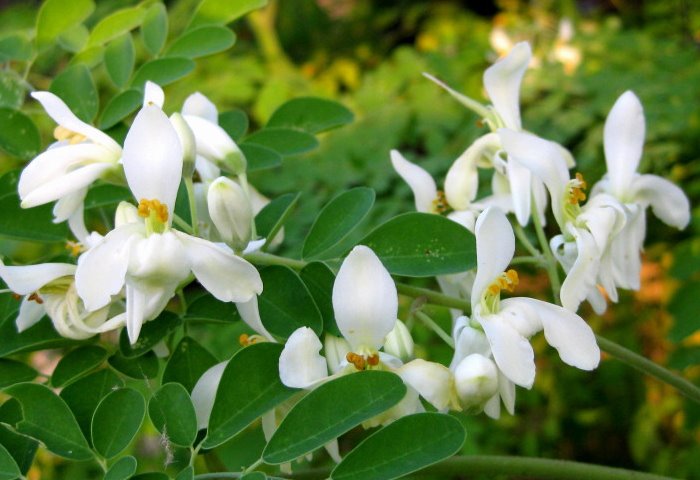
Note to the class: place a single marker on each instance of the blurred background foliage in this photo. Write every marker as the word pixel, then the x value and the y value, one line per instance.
pixel 370 56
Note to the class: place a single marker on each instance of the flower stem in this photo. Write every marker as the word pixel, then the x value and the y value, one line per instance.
pixel 551 264
pixel 434 298
pixel 189 186
pixel 181 224
pixel 261 258
pixel 648 367
pixel 430 323
pixel 522 236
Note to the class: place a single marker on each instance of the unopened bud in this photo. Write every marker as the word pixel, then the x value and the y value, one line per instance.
pixel 336 350
pixel 126 213
pixel 230 210
pixel 476 380
pixel 399 342
pixel 189 146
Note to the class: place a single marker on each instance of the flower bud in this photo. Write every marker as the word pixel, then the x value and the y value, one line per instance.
pixel 230 210
pixel 189 146
pixel 399 342
pixel 476 380
pixel 336 349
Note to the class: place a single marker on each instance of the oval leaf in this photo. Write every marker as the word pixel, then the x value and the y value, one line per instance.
pixel 249 387
pixel 202 41
pixel 223 11
pixel 8 467
pixel 422 245
pixel 259 157
pixel 319 279
pixel 286 304
pixel 116 24
pixel 75 86
pixel 119 59
pixel 47 418
pixel 15 46
pixel 336 220
pixel 331 410
pixel 119 107
pixel 77 364
pixel 186 474
pixel 12 372
pixel 116 421
pixel 310 114
pixel 57 16
pixel 188 363
pixel 162 71
pixel 154 29
pixel 11 89
pixel 18 135
pixel 397 449
pixel 284 141
pixel 173 415
pixel 123 469
pixel 234 122
pixel 273 216
pixel 141 368
pixel 151 333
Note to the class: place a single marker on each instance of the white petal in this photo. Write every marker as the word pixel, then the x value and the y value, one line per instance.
pixel 153 95
pixel 431 380
pixel 468 341
pixel 462 180
pixel 27 279
pixel 208 171
pixel 668 202
pixel 204 393
pixel 152 158
pixel 466 218
pixel 333 450
pixel 511 351
pixel 71 207
pixel 200 106
pixel 520 181
pixel 228 277
pixel 30 312
pixel 336 349
pixel 625 248
pixel 365 300
pixel 492 408
pixel 231 212
pixel 135 307
pixel 506 390
pixel 250 314
pixel 212 141
pixel 623 141
pixel 300 364
pixel 495 245
pixel 567 332
pixel 476 380
pixel 502 82
pixel 64 185
pixel 420 182
pixel 63 116
pixel 581 278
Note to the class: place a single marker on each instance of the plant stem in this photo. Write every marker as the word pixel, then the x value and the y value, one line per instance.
pixel 492 465
pixel 648 367
pixel 261 258
pixel 189 186
pixel 181 224
pixel 430 323
pixel 522 236
pixel 526 260
pixel 551 264
pixel 434 298
pixel 255 465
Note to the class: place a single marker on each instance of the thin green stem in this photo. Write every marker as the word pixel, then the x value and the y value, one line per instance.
pixel 526 260
pixel 254 466
pixel 522 237
pixel 648 367
pixel 189 186
pixel 261 258
pixel 430 323
pixel 433 297
pixel 551 265
pixel 181 224
pixel 492 465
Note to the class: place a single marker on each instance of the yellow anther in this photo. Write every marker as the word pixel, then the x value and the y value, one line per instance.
pixel 494 289
pixel 512 276
pixel 357 360
pixel 153 207
pixel 373 360
pixel 576 192
pixel 35 298
pixel 244 339
pixel 74 248
pixel 62 133
pixel 582 183
pixel 440 203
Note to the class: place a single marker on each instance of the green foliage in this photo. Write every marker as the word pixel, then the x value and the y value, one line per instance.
pixel 76 87
pixel 187 363
pixel 154 29
pixel 311 115
pixel 162 71
pixel 18 134
pixel 116 421
pixel 8 467
pixel 202 41
pixel 77 364
pixel 172 413
pixel 284 141
pixel 222 11
pixel 12 372
pixel 151 333
pixel 116 25
pixel 319 279
pixel 119 59
pixel 120 106
pixel 56 17
pixel 122 469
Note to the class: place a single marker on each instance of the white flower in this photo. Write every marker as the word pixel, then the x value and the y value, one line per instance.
pixel 231 211
pixel 508 323
pixel 148 257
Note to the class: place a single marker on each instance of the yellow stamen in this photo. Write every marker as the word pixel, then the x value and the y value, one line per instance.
pixel 35 298
pixel 62 133
pixel 357 360
pixel 246 340
pixel 243 339
pixel 440 203
pixel 373 360
pixel 153 207
pixel 576 192
pixel 75 248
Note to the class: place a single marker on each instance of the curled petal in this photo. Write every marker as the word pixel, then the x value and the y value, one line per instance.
pixel 581 277
pixel 432 381
pixel 365 300
pixel 462 180
pixel 200 106
pixel 300 364
pixel 506 390
pixel 520 181
pixel 251 316
pixel 25 280
pixel 502 82
pixel 667 201
pixel 623 141
pixel 495 245
pixel 30 313
pixel 145 301
pixel 421 182
pixel 511 351
pixel 204 393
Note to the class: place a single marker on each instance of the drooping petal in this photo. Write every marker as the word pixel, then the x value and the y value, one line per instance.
pixel 420 182
pixel 365 300
pixel 502 82
pixel 64 185
pixel 506 390
pixel 625 248
pixel 63 116
pixel 300 364
pixel 152 158
pixel 153 95
pixel 462 180
pixel 567 332
pixel 520 181
pixel 27 279
pixel 71 206
pixel 495 245
pixel 200 106
pixel 250 314
pixel 667 201
pixel 226 276
pixel 623 140
pixel 466 218
pixel 30 312
pixel 581 277
pixel 204 393
pixel 431 380
pixel 511 351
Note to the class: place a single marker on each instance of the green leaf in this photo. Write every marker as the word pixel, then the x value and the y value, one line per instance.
pixel 331 410
pixel 47 418
pixel 249 387
pixel 173 415
pixel 201 305
pixel 83 396
pixel 151 333
pixel 75 86
pixel 188 363
pixel 319 279
pixel 21 447
pixel 396 450
pixel 18 135
pixel 186 474
pixel 12 372
pixel 284 141
pixel 57 16
pixel 202 41
pixel 151 476
pixel 123 469
pixel 221 12
pixel 119 107
pixel 310 114
pixel 162 71
pixel 74 40
pixel 15 46
pixel 285 303
pixel 106 195
pixel 140 368
pixel 11 89
pixel 117 420
pixel 423 245
pixel 38 337
pixel 336 220
pixel 77 364
pixel 259 157
pixel 684 309
pixel 8 467
pixel 254 476
pixel 90 57
pixel 234 122
pixel 119 59
pixel 274 215
pixel 116 24
pixel 154 29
